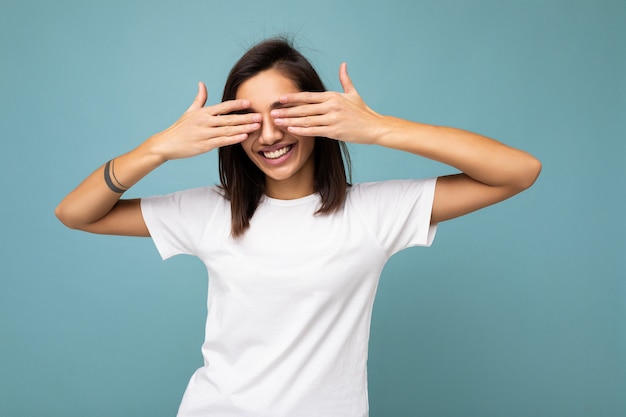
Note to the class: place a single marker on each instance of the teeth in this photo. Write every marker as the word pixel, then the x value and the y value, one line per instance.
pixel 277 153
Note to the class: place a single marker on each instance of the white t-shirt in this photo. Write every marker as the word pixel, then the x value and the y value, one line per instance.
pixel 289 302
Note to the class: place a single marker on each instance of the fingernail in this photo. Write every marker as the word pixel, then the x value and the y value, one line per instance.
pixel 274 113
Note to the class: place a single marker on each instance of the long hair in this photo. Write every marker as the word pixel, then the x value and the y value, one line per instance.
pixel 242 181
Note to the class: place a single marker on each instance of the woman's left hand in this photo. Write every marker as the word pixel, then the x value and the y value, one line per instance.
pixel 342 116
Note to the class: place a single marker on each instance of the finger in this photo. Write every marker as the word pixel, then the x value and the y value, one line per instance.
pixel 307 121
pixel 217 142
pixel 301 110
pixel 230 106
pixel 304 97
pixel 221 141
pixel 310 131
pixel 234 119
pixel 225 131
pixel 200 99
pixel 345 80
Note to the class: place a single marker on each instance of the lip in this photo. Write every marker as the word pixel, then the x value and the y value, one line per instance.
pixel 275 147
pixel 272 148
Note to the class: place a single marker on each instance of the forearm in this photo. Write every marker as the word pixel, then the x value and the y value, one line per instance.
pixel 491 171
pixel 93 198
pixel 485 160
pixel 95 205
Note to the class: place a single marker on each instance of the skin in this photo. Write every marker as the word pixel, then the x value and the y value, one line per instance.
pixel 290 176
pixel 280 115
pixel 491 171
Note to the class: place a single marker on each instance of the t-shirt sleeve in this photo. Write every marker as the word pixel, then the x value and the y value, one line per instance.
pixel 177 221
pixel 398 212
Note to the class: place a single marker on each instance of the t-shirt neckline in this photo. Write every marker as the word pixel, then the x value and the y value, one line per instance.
pixel 290 203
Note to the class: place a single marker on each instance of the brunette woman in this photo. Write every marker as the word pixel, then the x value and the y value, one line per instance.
pixel 293 251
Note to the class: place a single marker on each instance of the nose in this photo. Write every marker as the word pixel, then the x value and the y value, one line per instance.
pixel 270 133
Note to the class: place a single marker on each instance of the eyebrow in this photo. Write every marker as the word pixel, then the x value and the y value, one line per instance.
pixel 279 105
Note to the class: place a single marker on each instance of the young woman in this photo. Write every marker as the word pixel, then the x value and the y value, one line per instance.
pixel 293 251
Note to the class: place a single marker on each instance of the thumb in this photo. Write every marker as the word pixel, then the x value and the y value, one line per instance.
pixel 345 80
pixel 200 99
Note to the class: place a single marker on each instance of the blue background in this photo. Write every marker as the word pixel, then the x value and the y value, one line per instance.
pixel 517 310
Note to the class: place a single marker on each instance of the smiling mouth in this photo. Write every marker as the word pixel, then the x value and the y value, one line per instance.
pixel 277 153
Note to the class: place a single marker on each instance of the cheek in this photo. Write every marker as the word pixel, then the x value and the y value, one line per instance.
pixel 252 137
pixel 308 145
pixel 247 145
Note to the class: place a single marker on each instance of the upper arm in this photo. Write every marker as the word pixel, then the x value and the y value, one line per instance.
pixel 456 195
pixel 124 219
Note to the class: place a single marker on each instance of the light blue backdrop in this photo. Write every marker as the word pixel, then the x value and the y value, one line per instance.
pixel 517 310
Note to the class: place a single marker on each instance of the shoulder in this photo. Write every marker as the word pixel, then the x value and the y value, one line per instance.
pixel 197 194
pixel 194 201
pixel 389 188
pixel 397 212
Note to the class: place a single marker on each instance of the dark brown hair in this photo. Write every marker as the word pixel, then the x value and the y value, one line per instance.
pixel 242 181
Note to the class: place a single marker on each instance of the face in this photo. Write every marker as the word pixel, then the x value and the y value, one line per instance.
pixel 284 158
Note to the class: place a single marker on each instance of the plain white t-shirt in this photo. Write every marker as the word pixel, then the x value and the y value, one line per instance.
pixel 289 302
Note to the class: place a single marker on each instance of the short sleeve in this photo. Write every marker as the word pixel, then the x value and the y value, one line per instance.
pixel 397 212
pixel 177 222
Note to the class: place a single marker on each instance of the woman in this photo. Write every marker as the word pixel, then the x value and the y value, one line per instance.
pixel 293 252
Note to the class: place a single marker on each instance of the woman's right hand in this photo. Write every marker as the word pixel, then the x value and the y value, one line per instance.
pixel 94 207
pixel 201 129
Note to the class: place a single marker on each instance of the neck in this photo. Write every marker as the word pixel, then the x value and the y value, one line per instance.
pixel 296 186
pixel 288 189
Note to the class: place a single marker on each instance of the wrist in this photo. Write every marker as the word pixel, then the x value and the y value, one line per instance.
pixel 152 151
pixel 385 132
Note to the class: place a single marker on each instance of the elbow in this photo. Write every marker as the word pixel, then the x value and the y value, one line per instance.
pixel 529 173
pixel 66 218
pixel 60 214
